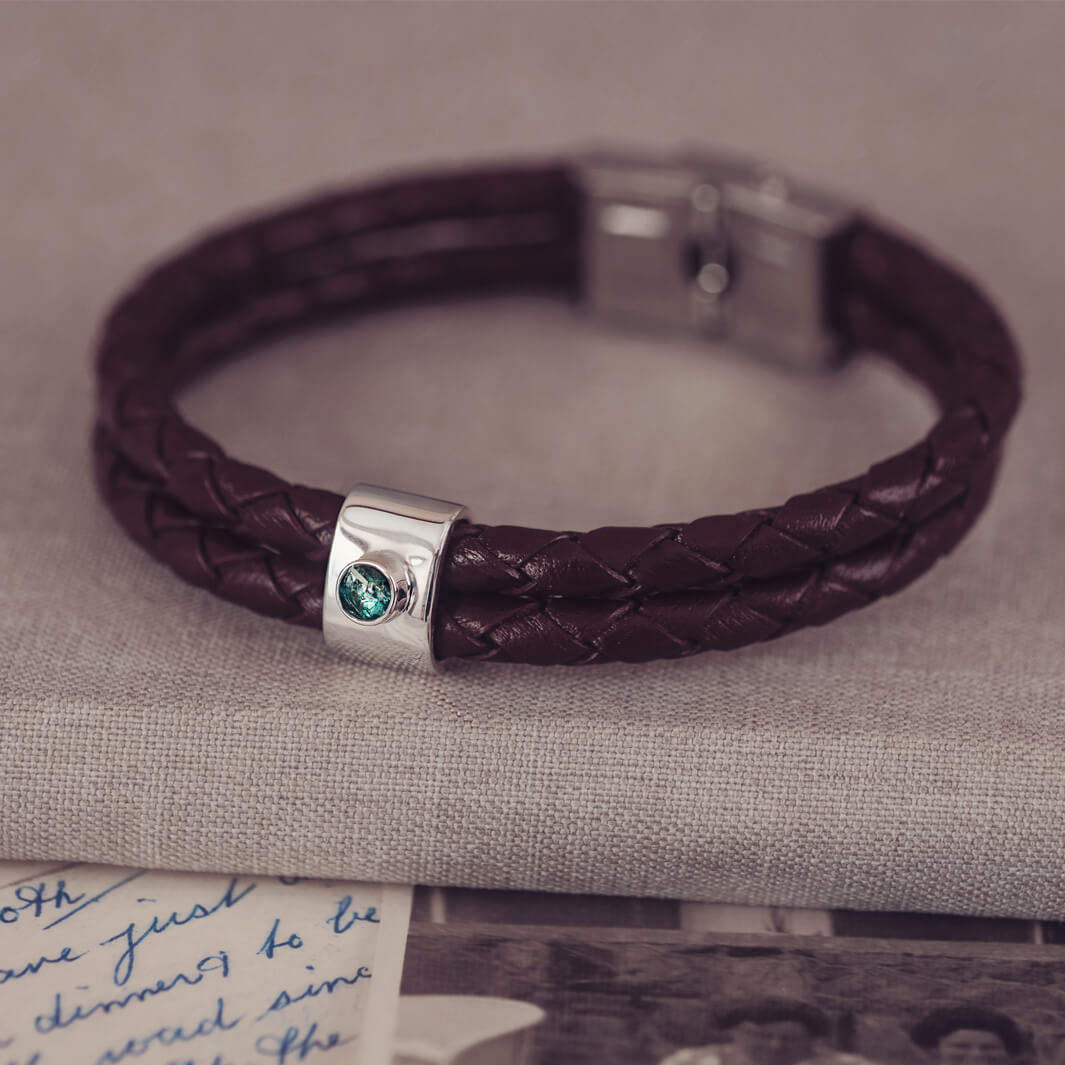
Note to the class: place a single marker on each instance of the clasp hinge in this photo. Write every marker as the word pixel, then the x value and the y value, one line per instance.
pixel 711 244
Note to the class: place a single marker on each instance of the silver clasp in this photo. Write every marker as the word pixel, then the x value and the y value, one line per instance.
pixel 712 244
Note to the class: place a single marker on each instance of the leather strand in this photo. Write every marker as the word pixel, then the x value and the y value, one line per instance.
pixel 510 593
pixel 678 624
pixel 946 335
pixel 209 303
pixel 550 630
pixel 276 585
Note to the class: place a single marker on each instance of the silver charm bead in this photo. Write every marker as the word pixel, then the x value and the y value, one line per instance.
pixel 380 584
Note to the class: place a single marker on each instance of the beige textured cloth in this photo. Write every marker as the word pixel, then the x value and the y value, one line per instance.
pixel 909 756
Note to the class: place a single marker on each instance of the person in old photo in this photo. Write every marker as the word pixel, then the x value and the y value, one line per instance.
pixel 770 1031
pixel 969 1035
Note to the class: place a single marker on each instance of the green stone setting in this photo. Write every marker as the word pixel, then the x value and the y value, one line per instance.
pixel 365 592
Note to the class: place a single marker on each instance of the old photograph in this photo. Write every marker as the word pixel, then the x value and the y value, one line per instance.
pixel 521 978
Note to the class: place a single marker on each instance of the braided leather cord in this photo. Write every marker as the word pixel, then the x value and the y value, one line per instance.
pixel 510 593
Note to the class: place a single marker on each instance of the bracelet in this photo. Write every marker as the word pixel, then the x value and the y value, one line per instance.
pixel 701 243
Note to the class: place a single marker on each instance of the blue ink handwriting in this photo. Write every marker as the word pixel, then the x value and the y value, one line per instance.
pixel 133 937
pixel 338 919
pixel 216 1060
pixel 32 967
pixel 96 898
pixel 57 1017
pixel 272 943
pixel 293 1047
pixel 168 1036
pixel 33 898
pixel 326 987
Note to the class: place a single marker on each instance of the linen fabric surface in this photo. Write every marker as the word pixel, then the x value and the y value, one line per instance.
pixel 906 757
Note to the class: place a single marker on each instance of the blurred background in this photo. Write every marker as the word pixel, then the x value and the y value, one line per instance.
pixel 125 129
pixel 628 981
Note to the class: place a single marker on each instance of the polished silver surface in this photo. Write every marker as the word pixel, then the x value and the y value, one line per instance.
pixel 402 536
pixel 712 243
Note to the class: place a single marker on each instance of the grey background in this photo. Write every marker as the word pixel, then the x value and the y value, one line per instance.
pixel 907 757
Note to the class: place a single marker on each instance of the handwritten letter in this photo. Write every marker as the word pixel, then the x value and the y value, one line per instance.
pixel 104 966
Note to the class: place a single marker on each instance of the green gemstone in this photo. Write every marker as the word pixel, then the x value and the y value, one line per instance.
pixel 364 592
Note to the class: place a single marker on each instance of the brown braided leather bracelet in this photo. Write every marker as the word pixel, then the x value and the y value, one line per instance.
pixel 708 243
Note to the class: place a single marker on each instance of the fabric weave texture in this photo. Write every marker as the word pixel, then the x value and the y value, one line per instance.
pixel 907 757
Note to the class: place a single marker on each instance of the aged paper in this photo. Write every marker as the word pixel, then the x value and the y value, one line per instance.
pixel 102 966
